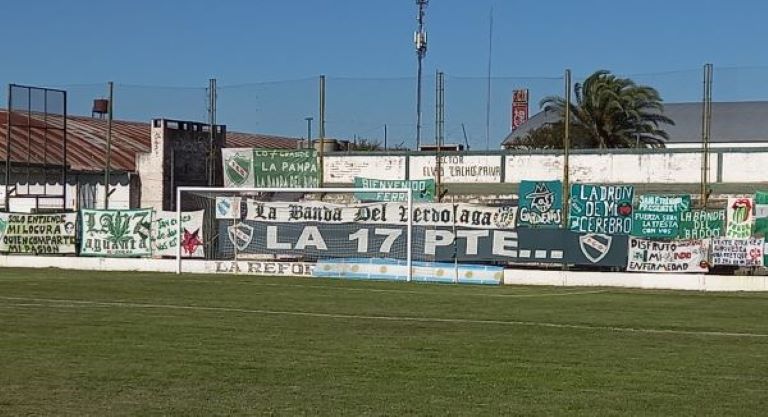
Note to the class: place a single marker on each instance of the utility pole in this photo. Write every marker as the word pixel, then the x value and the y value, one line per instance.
pixel 439 128
pixel 107 167
pixel 321 152
pixel 420 40
pixel 309 132
pixel 211 132
pixel 385 136
pixel 706 126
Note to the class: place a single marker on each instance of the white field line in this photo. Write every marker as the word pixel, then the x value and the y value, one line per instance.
pixel 384 290
pixel 75 303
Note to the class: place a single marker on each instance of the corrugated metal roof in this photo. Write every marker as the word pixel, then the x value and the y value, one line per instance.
pixel 86 146
pixel 732 122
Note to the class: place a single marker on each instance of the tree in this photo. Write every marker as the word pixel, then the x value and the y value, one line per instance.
pixel 614 112
pixel 550 136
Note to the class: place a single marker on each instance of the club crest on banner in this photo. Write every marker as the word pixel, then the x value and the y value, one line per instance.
pixel 227 207
pixel 595 246
pixel 240 235
pixel 238 168
pixel 541 198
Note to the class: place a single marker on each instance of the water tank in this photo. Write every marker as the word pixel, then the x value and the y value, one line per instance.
pixel 100 106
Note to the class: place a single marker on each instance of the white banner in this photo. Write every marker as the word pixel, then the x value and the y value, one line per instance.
pixel 647 255
pixel 37 233
pixel 165 234
pixel 737 252
pixel 116 232
pixel 424 214
pixel 458 168
pixel 228 207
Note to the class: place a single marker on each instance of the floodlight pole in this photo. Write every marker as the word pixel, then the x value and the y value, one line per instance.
pixel 566 149
pixel 107 166
pixel 420 40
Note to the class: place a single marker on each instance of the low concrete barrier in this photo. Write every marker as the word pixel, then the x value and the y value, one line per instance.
pixel 691 282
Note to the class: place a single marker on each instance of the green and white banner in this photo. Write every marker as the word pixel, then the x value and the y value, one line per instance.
pixel 761 219
pixel 284 168
pixel 740 218
pixel 37 234
pixel 604 209
pixel 658 216
pixel 702 224
pixel 541 203
pixel 116 233
pixel 423 190
pixel 166 237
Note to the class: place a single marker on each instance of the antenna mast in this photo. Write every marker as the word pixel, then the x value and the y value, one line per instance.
pixel 420 40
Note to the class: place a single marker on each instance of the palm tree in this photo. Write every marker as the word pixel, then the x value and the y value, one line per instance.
pixel 616 112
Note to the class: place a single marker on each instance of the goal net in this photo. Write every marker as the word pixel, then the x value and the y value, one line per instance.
pixel 302 231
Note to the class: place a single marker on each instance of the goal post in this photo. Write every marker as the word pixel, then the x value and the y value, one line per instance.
pixel 328 226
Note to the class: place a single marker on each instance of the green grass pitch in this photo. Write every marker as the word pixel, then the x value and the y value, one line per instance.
pixel 149 344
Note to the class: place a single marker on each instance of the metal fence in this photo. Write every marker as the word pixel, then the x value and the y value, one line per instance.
pixel 478 110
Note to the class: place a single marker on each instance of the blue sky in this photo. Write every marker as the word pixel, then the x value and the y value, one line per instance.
pixel 180 44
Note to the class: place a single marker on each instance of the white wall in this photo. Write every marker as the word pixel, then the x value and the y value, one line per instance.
pixel 666 168
pixel 659 168
pixel 745 167
pixel 344 169
pixel 458 168
pixel 150 168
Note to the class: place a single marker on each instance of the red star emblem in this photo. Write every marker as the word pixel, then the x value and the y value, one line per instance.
pixel 191 241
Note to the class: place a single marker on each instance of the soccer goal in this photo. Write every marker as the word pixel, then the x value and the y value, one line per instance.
pixel 300 231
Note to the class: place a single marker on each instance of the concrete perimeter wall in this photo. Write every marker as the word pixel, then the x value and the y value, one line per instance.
pixel 660 166
pixel 695 282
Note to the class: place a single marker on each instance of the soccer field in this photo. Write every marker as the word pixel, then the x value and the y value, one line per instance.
pixel 140 344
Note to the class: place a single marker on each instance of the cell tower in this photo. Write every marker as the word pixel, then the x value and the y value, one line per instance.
pixel 420 40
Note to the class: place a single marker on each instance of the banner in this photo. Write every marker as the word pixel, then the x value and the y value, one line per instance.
pixel 541 203
pixel 118 233
pixel 604 209
pixel 701 224
pixel 310 241
pixel 761 220
pixel 738 252
pixel 424 214
pixel 740 218
pixel 37 234
pixel 397 270
pixel 667 256
pixel 664 203
pixel 656 225
pixel 228 207
pixel 238 167
pixel 285 168
pixel 423 190
pixel 165 234
pixel 519 108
